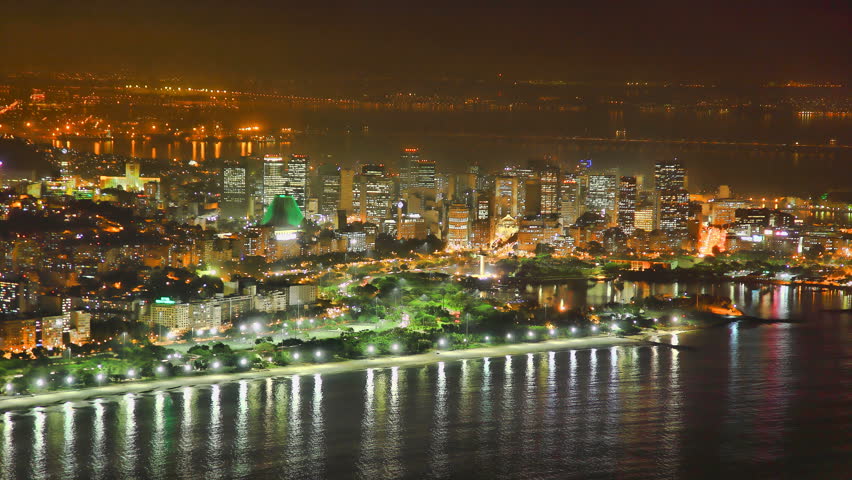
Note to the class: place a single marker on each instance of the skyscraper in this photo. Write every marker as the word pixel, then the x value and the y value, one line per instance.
pixel 672 197
pixel 669 175
pixel 627 204
pixel 549 184
pixel 274 182
pixel 423 174
pixel 601 196
pixel 375 190
pixel 407 160
pixel 347 189
pixel 570 200
pixel 329 197
pixel 235 192
pixel 458 227
pixel 506 196
pixel 297 178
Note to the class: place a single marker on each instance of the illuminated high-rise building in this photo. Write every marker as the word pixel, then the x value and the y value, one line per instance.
pixel 458 227
pixel 571 201
pixel 374 193
pixel 669 175
pixel 347 189
pixel 602 196
pixel 672 197
pixel 506 196
pixel 329 195
pixel 297 179
pixel 549 189
pixel 274 181
pixel 423 174
pixel 235 191
pixel 627 204
pixel 521 174
pixel 674 211
pixel 407 159
pixel 484 206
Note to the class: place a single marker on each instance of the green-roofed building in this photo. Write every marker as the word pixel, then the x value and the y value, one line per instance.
pixel 284 217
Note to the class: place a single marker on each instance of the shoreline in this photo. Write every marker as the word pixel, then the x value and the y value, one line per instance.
pixel 45 399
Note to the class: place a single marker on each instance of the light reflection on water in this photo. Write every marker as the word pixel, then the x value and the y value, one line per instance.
pixel 748 399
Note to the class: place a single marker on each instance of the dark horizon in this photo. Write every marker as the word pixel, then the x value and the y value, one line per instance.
pixel 268 42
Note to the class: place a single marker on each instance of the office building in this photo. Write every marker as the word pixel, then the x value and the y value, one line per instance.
pixel 407 159
pixel 672 197
pixel 549 190
pixel 602 196
pixel 506 196
pixel 274 180
pixel 458 227
pixel 374 194
pixel 296 179
pixel 627 204
pixel 423 174
pixel 330 192
pixel 235 191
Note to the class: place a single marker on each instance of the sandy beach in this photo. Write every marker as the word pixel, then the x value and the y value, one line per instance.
pixel 29 401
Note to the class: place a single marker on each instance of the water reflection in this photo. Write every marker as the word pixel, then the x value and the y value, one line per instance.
pixel 507 415
pixel 317 440
pixel 129 452
pixel 215 438
pixel 241 441
pixel 158 440
pixel 38 461
pixel 368 424
pixel 394 466
pixel 69 456
pixel 438 461
pixel 294 435
pixel 8 446
pixel 185 445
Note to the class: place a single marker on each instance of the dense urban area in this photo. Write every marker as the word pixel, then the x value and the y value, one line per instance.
pixel 116 268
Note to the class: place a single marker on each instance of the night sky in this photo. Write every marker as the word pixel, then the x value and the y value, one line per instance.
pixel 268 40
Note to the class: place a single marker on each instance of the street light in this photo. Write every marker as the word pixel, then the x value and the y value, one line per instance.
pixel 594 328
pixel 200 332
pixel 161 369
pixel 487 338
pixel 371 349
pixel 9 387
pixel 442 342
pixel 216 364
pixel 69 379
pixel 553 331
pixel 131 373
pixel 187 368
pixel 674 319
pixel 573 329
pixel 99 377
pixel 530 334
pixel 508 336
pixel 296 355
pixel 395 347
pixel 318 354
pixel 243 362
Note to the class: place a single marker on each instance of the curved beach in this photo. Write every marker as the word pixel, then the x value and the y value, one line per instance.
pixel 29 401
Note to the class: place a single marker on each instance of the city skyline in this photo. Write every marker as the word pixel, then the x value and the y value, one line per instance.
pixel 444 240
